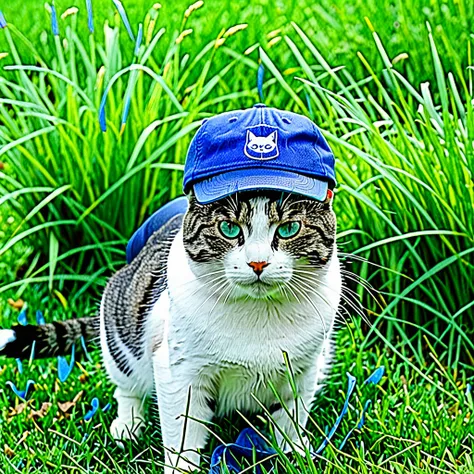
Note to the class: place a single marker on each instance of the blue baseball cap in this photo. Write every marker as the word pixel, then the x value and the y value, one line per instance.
pixel 258 148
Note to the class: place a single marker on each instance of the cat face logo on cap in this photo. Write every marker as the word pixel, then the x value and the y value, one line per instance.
pixel 261 147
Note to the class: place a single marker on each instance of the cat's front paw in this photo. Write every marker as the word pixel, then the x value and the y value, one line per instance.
pixel 121 429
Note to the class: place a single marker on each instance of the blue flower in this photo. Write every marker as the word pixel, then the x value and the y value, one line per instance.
pixel 65 369
pixel 376 376
pixel 358 426
pixel 373 379
pixel 251 445
pixel 93 410
pixel 123 15
pixel 362 416
pixel 103 102
pixel 54 20
pixel 95 406
pixel 40 318
pixel 102 118
pixel 84 348
pixel 126 108
pixel 23 394
pixel 22 318
pixel 3 22
pixel 90 20
pixel 351 383
pixel 19 365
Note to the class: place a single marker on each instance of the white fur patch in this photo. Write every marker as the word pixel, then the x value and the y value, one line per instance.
pixel 6 336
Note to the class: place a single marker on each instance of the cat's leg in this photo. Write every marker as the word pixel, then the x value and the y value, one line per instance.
pixel 129 422
pixel 183 404
pixel 131 394
pixel 133 381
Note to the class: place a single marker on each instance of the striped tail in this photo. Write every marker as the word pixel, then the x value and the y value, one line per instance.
pixel 49 340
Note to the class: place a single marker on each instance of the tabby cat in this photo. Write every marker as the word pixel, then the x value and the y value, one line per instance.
pixel 205 311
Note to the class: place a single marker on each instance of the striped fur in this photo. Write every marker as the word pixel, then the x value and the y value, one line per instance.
pixel 132 291
pixel 51 339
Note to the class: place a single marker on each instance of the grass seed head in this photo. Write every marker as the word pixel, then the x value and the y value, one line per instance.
pixel 400 57
pixel 183 35
pixel 273 33
pixel 219 42
pixel 234 29
pixel 70 11
pixel 100 78
pixel 192 8
pixel 274 41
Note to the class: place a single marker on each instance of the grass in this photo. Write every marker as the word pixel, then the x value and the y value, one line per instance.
pixel 338 28
pixel 413 425
pixel 394 96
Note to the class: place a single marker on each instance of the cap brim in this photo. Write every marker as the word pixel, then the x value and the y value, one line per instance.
pixel 225 184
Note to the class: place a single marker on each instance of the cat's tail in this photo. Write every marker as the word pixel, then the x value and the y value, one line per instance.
pixel 49 340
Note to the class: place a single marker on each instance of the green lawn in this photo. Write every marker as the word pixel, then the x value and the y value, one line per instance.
pixel 392 88
pixel 419 420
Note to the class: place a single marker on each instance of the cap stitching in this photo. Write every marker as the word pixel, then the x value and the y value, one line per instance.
pixel 269 165
pixel 235 188
pixel 264 124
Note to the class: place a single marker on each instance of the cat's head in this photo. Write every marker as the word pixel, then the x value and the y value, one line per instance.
pixel 257 242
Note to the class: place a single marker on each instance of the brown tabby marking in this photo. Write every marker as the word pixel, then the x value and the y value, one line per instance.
pixel 204 243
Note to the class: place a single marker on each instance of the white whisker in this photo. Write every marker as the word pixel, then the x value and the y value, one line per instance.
pixel 344 297
pixel 211 295
pixel 299 289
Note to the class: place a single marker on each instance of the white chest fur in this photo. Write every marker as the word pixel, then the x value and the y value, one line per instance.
pixel 237 346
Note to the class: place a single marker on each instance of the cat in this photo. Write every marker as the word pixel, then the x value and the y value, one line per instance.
pixel 261 148
pixel 205 313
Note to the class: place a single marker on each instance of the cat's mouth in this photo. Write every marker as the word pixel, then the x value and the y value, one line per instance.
pixel 258 288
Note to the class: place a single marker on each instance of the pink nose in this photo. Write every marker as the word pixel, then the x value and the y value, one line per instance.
pixel 258 266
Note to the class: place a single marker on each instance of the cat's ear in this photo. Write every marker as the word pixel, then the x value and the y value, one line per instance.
pixel 273 136
pixel 250 136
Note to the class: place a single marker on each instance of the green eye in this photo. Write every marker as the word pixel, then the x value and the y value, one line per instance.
pixel 229 229
pixel 289 229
